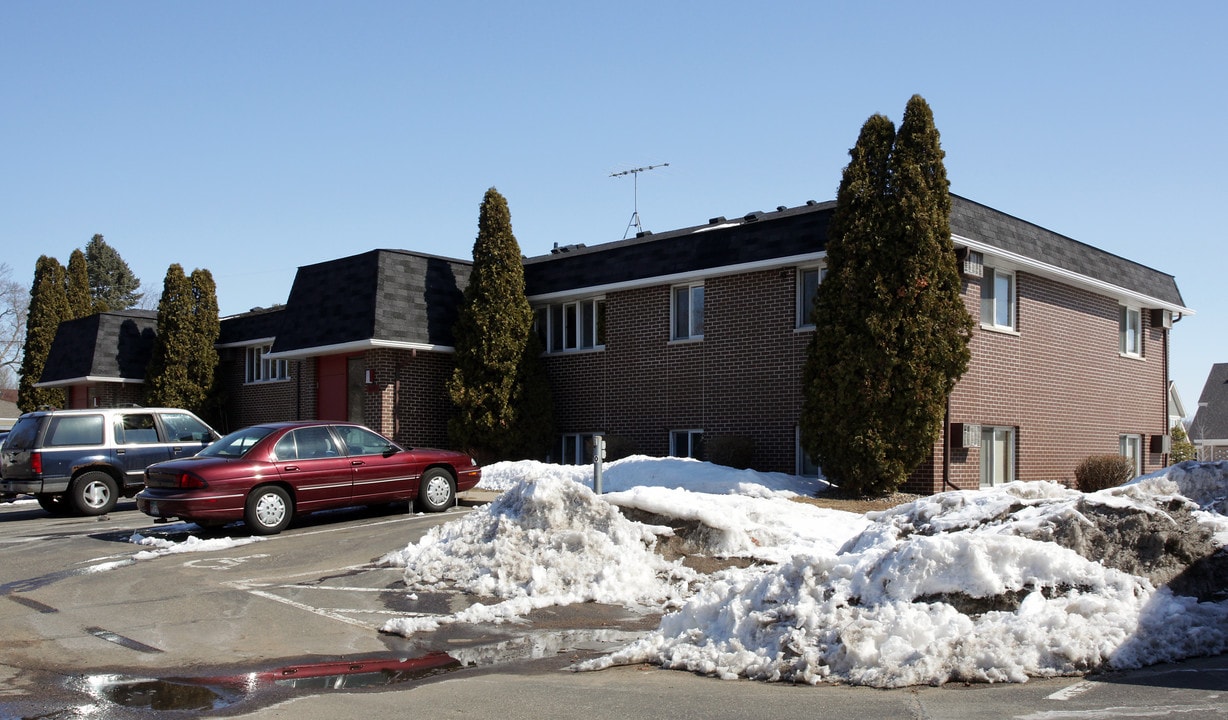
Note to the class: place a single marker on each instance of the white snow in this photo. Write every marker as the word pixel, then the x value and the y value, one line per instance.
pixel 912 595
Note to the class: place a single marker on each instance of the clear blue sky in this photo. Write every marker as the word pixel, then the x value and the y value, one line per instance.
pixel 253 137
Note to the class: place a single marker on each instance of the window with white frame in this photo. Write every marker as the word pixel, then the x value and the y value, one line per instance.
pixel 262 369
pixel 577 448
pixel 569 326
pixel 688 311
pixel 998 299
pixel 997 456
pixel 1132 449
pixel 808 280
pixel 686 443
pixel 1130 328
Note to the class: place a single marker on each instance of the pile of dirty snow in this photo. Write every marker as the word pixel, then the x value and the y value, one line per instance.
pixel 1026 580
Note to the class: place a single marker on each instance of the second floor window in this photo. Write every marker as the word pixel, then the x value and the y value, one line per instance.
pixel 578 325
pixel 1130 328
pixel 688 311
pixel 261 368
pixel 808 280
pixel 998 299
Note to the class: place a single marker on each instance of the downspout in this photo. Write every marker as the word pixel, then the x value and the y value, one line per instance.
pixel 946 447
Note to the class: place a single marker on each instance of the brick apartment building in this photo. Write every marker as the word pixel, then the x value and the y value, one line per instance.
pixel 672 342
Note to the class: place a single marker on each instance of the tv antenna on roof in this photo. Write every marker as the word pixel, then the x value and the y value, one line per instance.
pixel 635 213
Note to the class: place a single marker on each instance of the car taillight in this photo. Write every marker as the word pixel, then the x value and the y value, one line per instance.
pixel 188 481
pixel 36 462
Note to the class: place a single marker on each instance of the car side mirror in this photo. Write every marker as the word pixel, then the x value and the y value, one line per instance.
pixel 391 450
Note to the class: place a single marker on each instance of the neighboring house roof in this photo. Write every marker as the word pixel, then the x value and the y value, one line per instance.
pixel 1176 407
pixel 789 235
pixel 103 347
pixel 1211 420
pixel 380 298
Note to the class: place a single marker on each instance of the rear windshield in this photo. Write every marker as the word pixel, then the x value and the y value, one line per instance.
pixel 237 443
pixel 23 434
pixel 74 430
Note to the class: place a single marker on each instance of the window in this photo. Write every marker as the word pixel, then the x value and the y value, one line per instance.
pixel 184 428
pixel 262 369
pixel 688 312
pixel 68 430
pixel 997 456
pixel 808 280
pixel 686 443
pixel 1131 331
pixel 572 326
pixel 1132 449
pixel 806 466
pixel 135 429
pixel 577 448
pixel 998 299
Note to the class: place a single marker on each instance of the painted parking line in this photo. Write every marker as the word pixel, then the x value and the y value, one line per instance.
pixel 1073 691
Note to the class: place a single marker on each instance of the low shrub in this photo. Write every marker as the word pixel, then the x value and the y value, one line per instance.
pixel 735 451
pixel 1103 471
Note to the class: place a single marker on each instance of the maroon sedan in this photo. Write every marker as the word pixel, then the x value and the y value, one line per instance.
pixel 266 474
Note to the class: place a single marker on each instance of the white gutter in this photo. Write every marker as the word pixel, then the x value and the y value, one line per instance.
pixel 356 346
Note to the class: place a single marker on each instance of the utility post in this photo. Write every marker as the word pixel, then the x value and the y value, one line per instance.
pixel 598 459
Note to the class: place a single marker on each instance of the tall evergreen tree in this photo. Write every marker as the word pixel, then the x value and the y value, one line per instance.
pixel 112 283
pixel 80 303
pixel 48 307
pixel 488 386
pixel 206 326
pixel 891 330
pixel 167 379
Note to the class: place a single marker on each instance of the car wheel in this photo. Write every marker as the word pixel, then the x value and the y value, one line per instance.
pixel 53 504
pixel 436 491
pixel 94 493
pixel 268 510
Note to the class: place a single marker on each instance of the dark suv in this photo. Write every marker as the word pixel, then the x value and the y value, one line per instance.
pixel 82 460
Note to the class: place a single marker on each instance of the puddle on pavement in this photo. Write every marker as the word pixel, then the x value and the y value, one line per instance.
pixel 221 691
pixel 215 693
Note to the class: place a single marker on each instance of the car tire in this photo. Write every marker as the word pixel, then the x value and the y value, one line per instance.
pixel 268 510
pixel 93 493
pixel 54 504
pixel 436 490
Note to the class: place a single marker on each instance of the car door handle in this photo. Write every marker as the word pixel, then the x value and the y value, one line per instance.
pixel 356 463
pixel 291 468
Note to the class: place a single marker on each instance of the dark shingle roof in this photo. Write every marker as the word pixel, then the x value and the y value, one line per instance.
pixel 108 345
pixel 801 230
pixel 1211 420
pixel 756 237
pixel 992 227
pixel 257 324
pixel 388 295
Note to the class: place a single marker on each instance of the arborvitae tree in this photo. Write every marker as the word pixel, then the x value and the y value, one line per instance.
pixel 202 361
pixel 891 330
pixel 112 283
pixel 167 379
pixel 488 386
pixel 48 307
pixel 80 303
pixel 534 407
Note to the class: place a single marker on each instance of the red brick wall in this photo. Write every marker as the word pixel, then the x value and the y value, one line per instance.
pixel 1060 381
pixel 252 403
pixel 408 400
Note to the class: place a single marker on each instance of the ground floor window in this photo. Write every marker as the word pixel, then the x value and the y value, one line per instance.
pixel 577 448
pixel 1131 447
pixel 686 443
pixel 806 466
pixel 997 455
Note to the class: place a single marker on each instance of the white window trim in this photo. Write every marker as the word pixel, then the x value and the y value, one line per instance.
pixel 690 433
pixel 547 313
pixel 259 368
pixel 987 447
pixel 801 307
pixel 1124 443
pixel 990 275
pixel 691 335
pixel 1124 312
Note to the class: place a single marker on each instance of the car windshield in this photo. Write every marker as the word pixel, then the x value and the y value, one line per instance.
pixel 237 443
